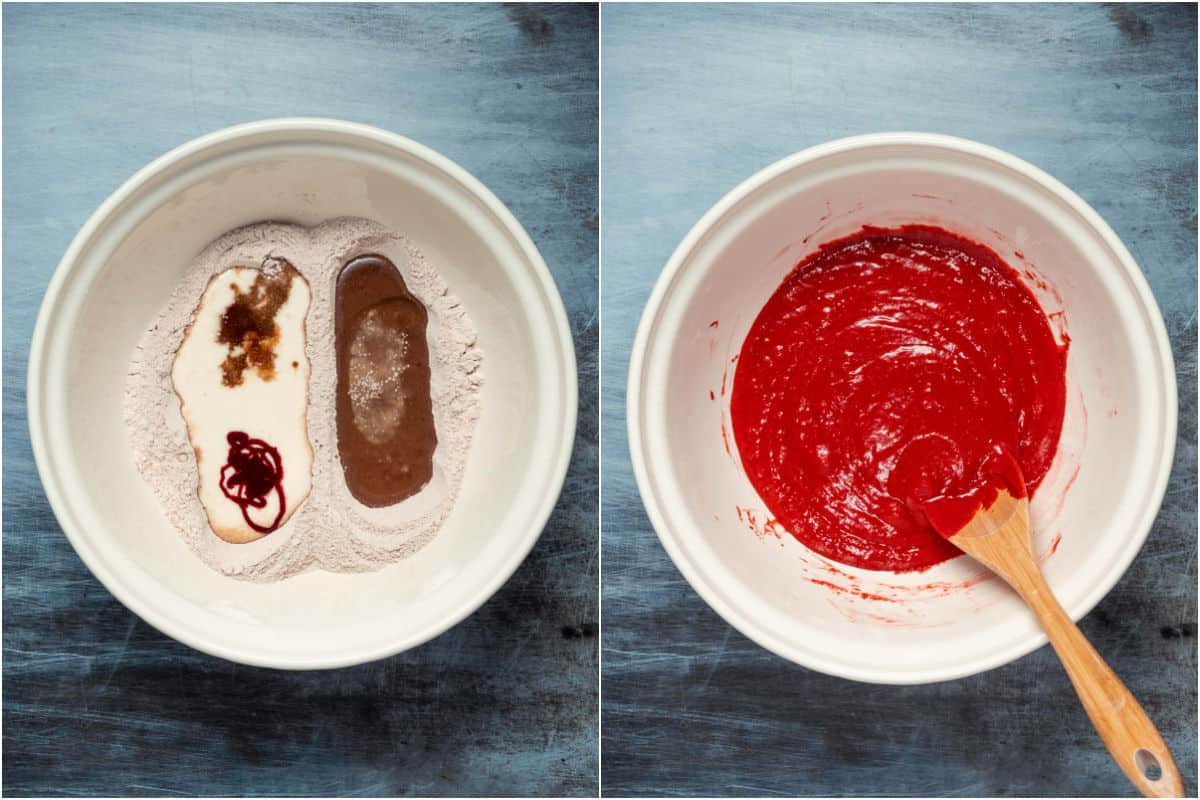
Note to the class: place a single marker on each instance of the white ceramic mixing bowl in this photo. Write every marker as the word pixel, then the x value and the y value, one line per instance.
pixel 1093 511
pixel 117 275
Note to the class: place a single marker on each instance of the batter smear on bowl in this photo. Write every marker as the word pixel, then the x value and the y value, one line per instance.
pixel 885 371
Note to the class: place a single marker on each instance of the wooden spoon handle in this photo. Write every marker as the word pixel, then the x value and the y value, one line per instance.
pixel 1128 733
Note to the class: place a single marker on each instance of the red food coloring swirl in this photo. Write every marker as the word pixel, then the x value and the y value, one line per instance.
pixel 253 469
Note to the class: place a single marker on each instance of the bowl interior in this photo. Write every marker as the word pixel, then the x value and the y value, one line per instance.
pixel 1091 514
pixel 122 277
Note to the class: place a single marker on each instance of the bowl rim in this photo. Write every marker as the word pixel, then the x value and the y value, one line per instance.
pixel 300 126
pixel 672 540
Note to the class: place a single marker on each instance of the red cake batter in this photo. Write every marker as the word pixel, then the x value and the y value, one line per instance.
pixel 887 370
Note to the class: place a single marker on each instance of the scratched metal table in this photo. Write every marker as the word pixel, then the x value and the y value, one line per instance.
pixel 96 701
pixel 697 98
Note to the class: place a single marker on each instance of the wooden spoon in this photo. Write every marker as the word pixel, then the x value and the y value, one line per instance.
pixel 995 532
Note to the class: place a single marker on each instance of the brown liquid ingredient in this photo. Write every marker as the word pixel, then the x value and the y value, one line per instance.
pixel 385 430
pixel 248 328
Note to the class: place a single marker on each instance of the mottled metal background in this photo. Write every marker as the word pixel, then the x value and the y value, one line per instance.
pixel 696 98
pixel 96 701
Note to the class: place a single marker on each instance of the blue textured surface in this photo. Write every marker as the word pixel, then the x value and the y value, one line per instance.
pixel 97 702
pixel 697 98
